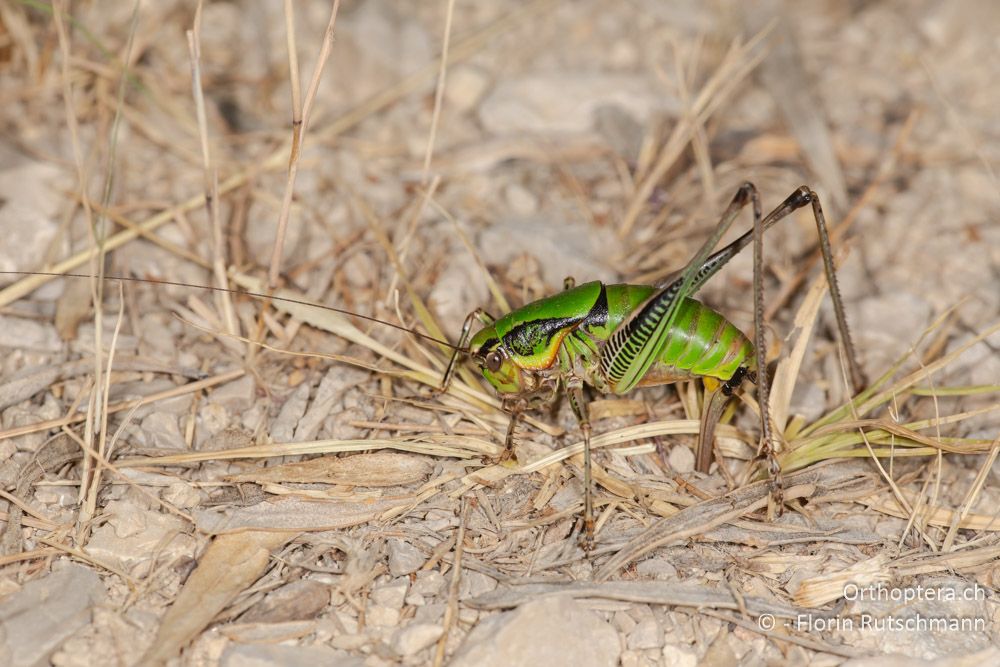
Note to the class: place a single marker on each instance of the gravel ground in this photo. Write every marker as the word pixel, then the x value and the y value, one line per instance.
pixel 261 483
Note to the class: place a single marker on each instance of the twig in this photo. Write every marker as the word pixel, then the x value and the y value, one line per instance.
pixel 211 174
pixel 739 62
pixel 299 128
pixel 438 93
pixel 974 490
pixel 100 454
pixel 451 611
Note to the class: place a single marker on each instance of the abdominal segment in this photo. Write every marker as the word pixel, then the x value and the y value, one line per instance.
pixel 702 343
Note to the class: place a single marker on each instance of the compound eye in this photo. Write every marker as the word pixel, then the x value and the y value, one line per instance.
pixel 494 360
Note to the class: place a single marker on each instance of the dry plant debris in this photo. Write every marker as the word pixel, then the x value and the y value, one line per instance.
pixel 197 477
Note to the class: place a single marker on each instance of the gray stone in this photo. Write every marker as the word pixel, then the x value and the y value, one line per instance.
pixel 550 631
pixel 294 407
pixel 295 601
pixel 567 102
pixel 262 655
pixel 237 395
pixel 681 459
pixel 429 582
pixel 657 567
pixel 327 393
pixel 26 384
pixel 377 615
pixel 404 558
pixel 566 252
pixel 26 334
pixel 465 87
pixel 416 637
pixel 161 431
pixel 134 534
pixel 679 656
pixel 36 620
pixel 391 594
pixel 647 634
pixel 29 209
pixel 475 583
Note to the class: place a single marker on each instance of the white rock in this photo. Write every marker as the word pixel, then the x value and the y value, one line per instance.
pixel 460 288
pixel 283 426
pixel 623 133
pixel 237 395
pixel 212 420
pixel 161 430
pixel 350 642
pixel 28 335
pixel 520 200
pixel 429 582
pixel 475 583
pixel 679 656
pixel 377 43
pixel 42 615
pixel 390 35
pixel 384 616
pixel 134 534
pixel 889 324
pixel 430 613
pixel 329 390
pixel 260 234
pixel 637 659
pixel 404 558
pixel 416 637
pixel 565 102
pixel 563 247
pixel 126 518
pixel 465 87
pixel 647 634
pixel 181 494
pixel 550 631
pixel 262 655
pixel 809 400
pixel 29 204
pixel 681 459
pixel 392 594
pixel 623 622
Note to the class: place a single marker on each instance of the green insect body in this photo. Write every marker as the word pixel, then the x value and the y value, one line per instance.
pixel 618 337
pixel 549 339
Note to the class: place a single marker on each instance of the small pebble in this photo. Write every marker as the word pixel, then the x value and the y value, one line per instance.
pixel 679 656
pixel 392 594
pixel 416 637
pixel 548 631
pixel 465 87
pixel 384 616
pixel 404 558
pixel 647 634
pixel 681 459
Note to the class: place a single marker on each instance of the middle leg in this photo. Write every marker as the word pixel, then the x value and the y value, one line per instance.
pixel 580 408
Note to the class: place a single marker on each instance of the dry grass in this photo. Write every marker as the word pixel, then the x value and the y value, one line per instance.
pixel 439 490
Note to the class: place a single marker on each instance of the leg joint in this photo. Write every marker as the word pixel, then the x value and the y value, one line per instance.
pixel 746 191
pixel 802 196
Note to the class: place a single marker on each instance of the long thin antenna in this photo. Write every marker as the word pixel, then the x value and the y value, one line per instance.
pixel 258 295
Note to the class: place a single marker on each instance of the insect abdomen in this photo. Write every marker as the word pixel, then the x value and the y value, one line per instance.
pixel 701 343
